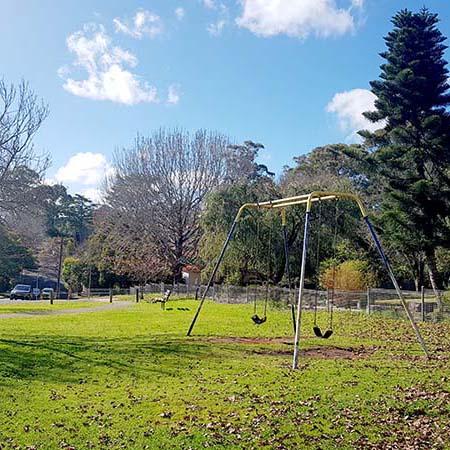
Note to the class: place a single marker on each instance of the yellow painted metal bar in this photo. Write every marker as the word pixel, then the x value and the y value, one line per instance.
pixel 306 199
pixel 322 196
pixel 283 217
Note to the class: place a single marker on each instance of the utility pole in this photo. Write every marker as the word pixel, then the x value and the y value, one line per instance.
pixel 58 289
pixel 90 281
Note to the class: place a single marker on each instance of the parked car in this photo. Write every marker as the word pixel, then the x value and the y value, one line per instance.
pixel 21 291
pixel 47 293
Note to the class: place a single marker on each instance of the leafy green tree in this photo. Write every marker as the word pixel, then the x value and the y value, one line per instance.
pixel 410 153
pixel 328 168
pixel 75 273
pixel 255 253
pixel 242 165
pixel 69 216
pixel 14 257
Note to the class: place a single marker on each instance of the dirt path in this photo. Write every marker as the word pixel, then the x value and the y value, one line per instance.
pixel 108 306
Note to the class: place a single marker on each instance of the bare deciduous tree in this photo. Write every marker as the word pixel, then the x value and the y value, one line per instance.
pixel 158 191
pixel 21 115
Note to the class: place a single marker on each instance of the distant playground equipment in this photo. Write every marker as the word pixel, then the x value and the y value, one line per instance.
pixel 163 300
pixel 309 200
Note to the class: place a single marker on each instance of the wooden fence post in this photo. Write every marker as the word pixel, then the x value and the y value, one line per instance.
pixel 422 303
pixel 368 301
pixel 137 295
pixel 110 295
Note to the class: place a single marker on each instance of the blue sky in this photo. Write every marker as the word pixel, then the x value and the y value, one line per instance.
pixel 292 74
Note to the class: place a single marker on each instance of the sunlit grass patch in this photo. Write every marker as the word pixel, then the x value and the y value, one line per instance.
pixel 130 378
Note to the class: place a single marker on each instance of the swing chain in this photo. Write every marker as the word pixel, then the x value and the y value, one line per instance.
pixel 316 294
pixel 333 287
pixel 316 329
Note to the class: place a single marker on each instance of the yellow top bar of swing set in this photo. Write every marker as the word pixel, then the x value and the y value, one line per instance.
pixel 307 199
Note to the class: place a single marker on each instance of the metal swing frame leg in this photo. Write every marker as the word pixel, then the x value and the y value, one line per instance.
pixel 396 286
pixel 300 291
pixel 213 275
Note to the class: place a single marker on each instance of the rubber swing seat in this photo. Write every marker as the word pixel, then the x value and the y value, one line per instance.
pixel 258 320
pixel 318 333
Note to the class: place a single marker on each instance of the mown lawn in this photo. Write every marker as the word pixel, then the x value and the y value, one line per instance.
pixel 130 379
pixel 20 306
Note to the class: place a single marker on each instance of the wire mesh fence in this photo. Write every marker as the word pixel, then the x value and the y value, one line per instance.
pixel 424 307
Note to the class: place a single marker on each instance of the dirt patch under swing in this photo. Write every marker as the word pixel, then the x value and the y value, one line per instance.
pixel 321 352
pixel 325 352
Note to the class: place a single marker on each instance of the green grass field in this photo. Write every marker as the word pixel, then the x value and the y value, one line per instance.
pixel 45 306
pixel 130 379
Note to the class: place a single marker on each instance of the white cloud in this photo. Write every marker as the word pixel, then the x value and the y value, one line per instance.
pixel 107 77
pixel 210 4
pixel 296 18
pixel 84 173
pixel 174 95
pixel 180 13
pixel 144 23
pixel 349 106
pixel 93 194
pixel 216 28
pixel 86 169
pixel 223 18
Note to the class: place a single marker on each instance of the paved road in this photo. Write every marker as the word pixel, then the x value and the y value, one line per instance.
pixel 102 307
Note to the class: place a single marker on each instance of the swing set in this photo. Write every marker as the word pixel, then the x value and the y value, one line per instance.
pixel 309 200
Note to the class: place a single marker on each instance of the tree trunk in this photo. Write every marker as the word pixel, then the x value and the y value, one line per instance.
pixel 434 276
pixel 416 284
pixel 177 266
pixel 416 263
pixel 419 273
pixel 279 274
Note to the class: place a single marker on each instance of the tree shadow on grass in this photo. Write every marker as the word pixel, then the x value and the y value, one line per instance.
pixel 70 359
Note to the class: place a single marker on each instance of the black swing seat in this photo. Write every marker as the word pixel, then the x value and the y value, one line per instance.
pixel 327 334
pixel 318 333
pixel 258 320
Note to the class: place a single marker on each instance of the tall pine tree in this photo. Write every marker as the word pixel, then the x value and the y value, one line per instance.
pixel 410 153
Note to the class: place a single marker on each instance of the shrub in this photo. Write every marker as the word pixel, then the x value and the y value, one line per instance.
pixel 352 275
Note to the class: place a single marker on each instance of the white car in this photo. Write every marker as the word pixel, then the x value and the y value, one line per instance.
pixel 47 293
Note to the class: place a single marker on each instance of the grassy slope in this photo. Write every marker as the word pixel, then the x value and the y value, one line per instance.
pixel 129 378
